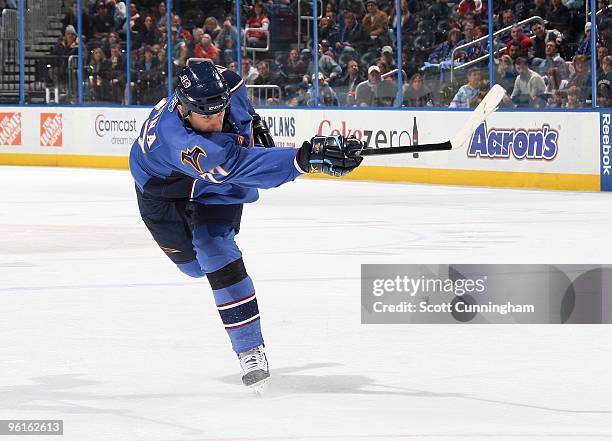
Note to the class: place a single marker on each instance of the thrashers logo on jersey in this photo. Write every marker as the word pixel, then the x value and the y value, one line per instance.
pixel 192 157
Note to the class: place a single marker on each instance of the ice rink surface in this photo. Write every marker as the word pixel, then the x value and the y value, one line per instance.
pixel 99 329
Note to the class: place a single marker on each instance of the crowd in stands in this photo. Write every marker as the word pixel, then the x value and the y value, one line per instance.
pixel 543 62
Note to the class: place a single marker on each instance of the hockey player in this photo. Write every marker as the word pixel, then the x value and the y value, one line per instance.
pixel 194 168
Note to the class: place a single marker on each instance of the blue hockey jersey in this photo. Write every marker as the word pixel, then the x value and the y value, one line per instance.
pixel 170 161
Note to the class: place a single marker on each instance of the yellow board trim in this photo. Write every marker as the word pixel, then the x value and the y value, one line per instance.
pixel 117 162
pixel 480 178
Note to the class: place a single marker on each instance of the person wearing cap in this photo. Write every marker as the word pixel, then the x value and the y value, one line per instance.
pixel 584 48
pixel 386 54
pixel 376 21
pixel 67 46
pixel 326 96
pixel 374 92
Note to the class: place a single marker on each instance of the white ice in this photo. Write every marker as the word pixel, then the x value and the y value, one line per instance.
pixel 99 329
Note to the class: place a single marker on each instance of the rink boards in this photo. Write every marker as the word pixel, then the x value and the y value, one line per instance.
pixel 552 150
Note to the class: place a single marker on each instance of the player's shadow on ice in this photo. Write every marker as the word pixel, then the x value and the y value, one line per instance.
pixel 290 380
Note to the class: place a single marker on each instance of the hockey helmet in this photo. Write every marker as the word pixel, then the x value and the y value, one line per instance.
pixel 201 89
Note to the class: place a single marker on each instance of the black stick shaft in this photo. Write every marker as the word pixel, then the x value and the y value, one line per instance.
pixel 441 146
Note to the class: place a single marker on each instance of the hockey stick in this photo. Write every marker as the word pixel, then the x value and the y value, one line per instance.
pixel 487 106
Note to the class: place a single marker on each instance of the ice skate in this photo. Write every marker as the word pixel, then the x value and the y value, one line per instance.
pixel 255 373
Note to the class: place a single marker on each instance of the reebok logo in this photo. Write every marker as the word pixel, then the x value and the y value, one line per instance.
pixel 605 144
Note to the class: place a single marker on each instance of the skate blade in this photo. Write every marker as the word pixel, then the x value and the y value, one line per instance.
pixel 259 388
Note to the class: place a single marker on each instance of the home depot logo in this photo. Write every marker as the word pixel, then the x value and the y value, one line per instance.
pixel 10 128
pixel 51 129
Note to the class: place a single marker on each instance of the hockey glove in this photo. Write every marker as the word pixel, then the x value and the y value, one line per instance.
pixel 332 155
pixel 261 132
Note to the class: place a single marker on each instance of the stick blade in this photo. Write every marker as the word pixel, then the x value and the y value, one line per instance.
pixel 487 106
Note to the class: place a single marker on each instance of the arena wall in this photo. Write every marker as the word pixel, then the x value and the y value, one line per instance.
pixel 552 150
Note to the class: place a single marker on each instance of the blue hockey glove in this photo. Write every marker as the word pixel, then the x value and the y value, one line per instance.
pixel 332 155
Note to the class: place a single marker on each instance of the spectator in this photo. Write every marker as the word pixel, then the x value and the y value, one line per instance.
pixel 416 93
pixel 206 49
pixel 257 20
pixel 521 40
pixel 374 92
pixel 196 39
pixel 553 59
pixel 476 7
pixel 176 31
pixel 326 96
pixel 71 19
pixel 180 61
pixel 409 64
pixel 328 28
pixel 149 34
pixel 581 78
pixel 69 45
pixel 584 48
pixel 558 16
pixel 266 77
pixel 302 96
pixel 352 35
pixel 295 67
pixel 149 62
pixel 117 74
pixel 506 74
pixel 233 66
pixel 513 51
pixel 120 18
pixel 356 7
pixel 573 99
pixel 161 14
pixel 408 23
pixel 249 72
pixel 507 18
pixel 102 22
pixel 113 38
pixel 327 66
pixel 134 18
pixel 606 69
pixel 538 46
pixel 148 78
pixel 227 39
pixel 212 28
pixel 349 82
pixel 465 96
pixel 99 75
pixel 443 51
pixel 386 54
pixel 376 22
pixel 529 87
pixel 539 9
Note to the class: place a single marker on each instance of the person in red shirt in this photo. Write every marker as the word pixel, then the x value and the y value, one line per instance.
pixel 476 7
pixel 206 49
pixel 519 39
pixel 257 20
